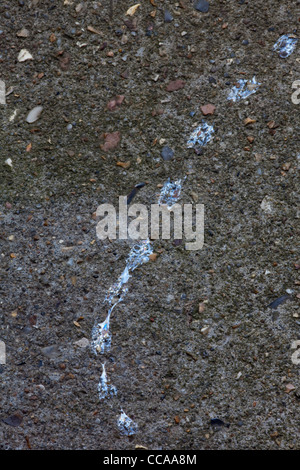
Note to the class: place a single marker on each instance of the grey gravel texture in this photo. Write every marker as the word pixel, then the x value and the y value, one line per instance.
pixel 174 376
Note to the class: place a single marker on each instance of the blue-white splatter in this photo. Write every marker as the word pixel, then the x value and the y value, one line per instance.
pixel 201 135
pixel 105 389
pixel 101 338
pixel 139 254
pixel 285 45
pixel 126 425
pixel 245 89
pixel 170 193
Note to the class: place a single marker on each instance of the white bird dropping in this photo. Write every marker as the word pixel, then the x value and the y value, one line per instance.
pixel 126 425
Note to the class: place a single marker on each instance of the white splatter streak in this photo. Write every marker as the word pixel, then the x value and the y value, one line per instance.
pixel 101 338
pixel 105 389
pixel 139 254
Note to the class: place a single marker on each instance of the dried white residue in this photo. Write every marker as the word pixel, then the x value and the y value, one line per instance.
pixel 170 193
pixel 126 425
pixel 139 254
pixel 201 135
pixel 101 338
pixel 285 45
pixel 245 89
pixel 105 389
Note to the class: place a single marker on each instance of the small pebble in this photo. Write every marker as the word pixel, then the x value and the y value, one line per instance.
pixel 24 55
pixel 34 114
pixel 82 343
pixel 168 17
pixel 202 5
pixel 23 33
pixel 167 153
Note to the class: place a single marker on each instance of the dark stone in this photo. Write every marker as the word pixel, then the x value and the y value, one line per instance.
pixel 279 301
pixel 202 5
pixel 14 420
pixel 167 153
pixel 217 422
pixel 297 393
pixel 168 17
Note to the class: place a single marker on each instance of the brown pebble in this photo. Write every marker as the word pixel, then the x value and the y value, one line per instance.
pixel 248 121
pixel 115 102
pixel 112 140
pixel 124 165
pixel 175 85
pixel 289 388
pixel 201 307
pixel 208 109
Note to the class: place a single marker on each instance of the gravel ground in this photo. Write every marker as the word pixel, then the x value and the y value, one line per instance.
pixel 201 352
